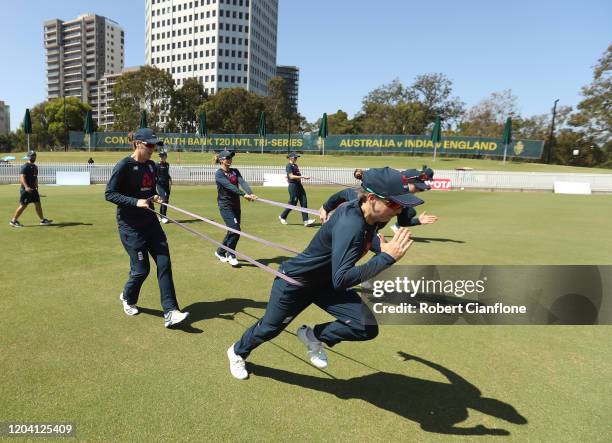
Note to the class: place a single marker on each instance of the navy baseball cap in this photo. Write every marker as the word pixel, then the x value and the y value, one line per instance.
pixel 31 154
pixel 418 178
pixel 293 155
pixel 226 154
pixel 389 184
pixel 163 154
pixel 148 136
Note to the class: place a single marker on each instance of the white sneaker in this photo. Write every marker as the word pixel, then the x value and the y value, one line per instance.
pixel 309 222
pixel 164 220
pixel 237 364
pixel 395 228
pixel 232 261
pixel 174 317
pixel 45 222
pixel 317 354
pixel 282 220
pixel 222 258
pixel 128 309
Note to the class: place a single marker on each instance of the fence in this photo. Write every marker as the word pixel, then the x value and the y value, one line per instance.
pixel 205 174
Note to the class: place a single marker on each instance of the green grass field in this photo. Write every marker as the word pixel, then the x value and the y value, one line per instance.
pixel 68 352
pixel 341 161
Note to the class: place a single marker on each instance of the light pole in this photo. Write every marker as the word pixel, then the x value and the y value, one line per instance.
pixel 552 132
pixel 65 126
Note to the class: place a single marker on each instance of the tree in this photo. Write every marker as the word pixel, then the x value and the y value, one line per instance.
pixel 433 92
pixel 278 107
pixel 391 94
pixel 594 112
pixel 148 88
pixel 339 123
pixel 54 114
pixel 184 106
pixel 48 122
pixel 396 109
pixel 7 142
pixel 487 118
pixel 233 111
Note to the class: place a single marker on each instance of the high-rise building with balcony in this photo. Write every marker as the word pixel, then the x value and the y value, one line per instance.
pixel 79 53
pixel 222 43
pixel 291 76
pixel 5 118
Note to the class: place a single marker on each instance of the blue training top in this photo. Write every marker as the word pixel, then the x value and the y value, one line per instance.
pixel 30 172
pixel 228 192
pixel 295 170
pixel 163 173
pixel 330 258
pixel 129 182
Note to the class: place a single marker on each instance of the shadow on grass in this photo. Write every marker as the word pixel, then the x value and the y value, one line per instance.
pixel 437 407
pixel 265 261
pixel 63 225
pixel 191 220
pixel 224 309
pixel 429 239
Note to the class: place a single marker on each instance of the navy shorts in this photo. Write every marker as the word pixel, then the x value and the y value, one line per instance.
pixel 29 197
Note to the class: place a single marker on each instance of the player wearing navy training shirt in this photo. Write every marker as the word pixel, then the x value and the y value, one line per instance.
pixel 132 188
pixel 408 216
pixel 164 182
pixel 327 270
pixel 296 190
pixel 28 178
pixel 229 181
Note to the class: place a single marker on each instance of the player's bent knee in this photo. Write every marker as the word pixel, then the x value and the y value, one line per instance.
pixel 366 332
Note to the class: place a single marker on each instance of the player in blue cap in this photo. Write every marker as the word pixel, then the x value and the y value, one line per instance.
pixel 28 178
pixel 229 181
pixel 132 188
pixel 296 190
pixel 164 182
pixel 327 271
pixel 417 182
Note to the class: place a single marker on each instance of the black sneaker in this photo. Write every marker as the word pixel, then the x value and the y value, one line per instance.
pixel 45 221
pixel 15 224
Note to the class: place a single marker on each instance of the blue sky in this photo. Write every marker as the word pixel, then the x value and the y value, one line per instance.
pixel 542 50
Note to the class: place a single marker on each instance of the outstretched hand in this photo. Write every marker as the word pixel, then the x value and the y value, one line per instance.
pixel 250 197
pixel 398 245
pixel 427 219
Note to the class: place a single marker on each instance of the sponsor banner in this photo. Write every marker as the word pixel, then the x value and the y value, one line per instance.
pixel 422 144
pixel 491 295
pixel 440 184
pixel 412 144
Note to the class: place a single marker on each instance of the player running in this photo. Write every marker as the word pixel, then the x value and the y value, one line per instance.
pixel 327 270
pixel 417 182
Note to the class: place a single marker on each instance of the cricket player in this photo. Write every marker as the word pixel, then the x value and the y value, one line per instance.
pixel 408 216
pixel 327 271
pixel 28 177
pixel 164 182
pixel 296 190
pixel 229 181
pixel 132 188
